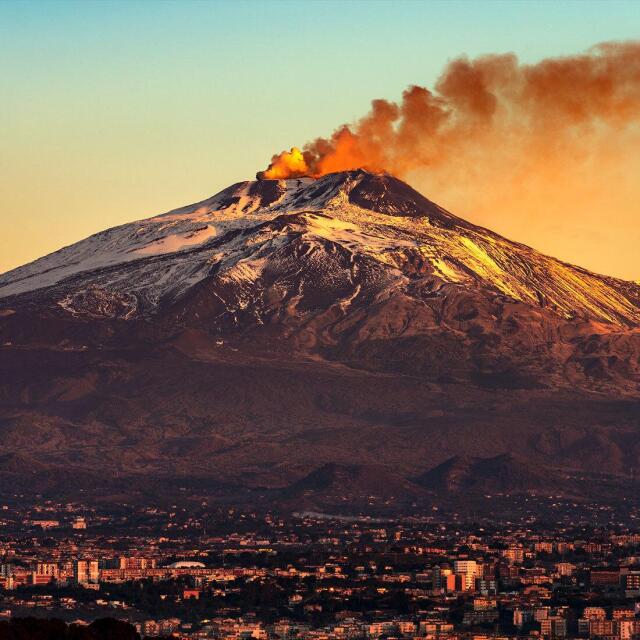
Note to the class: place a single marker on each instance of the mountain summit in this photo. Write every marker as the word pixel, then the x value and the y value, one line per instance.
pixel 401 238
pixel 282 325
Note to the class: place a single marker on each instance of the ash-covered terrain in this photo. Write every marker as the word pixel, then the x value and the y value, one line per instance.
pixel 339 343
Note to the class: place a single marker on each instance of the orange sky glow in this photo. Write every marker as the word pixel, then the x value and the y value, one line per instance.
pixel 545 153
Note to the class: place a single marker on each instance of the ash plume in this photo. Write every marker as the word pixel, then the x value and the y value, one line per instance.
pixel 507 143
pixel 495 97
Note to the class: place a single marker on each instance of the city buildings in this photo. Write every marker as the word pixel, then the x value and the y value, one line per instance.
pixel 288 576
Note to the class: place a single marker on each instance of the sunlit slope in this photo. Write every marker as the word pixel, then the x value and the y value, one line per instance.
pixel 253 227
pixel 310 335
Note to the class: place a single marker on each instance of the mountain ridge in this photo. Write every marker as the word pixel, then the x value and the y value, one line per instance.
pixel 292 337
pixel 206 225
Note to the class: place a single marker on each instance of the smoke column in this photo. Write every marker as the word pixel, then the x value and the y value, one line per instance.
pixel 552 146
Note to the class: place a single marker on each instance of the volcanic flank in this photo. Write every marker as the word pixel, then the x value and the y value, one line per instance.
pixel 283 327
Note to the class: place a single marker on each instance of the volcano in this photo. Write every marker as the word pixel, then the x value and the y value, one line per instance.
pixel 251 341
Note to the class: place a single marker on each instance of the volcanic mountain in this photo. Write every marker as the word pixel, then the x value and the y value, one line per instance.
pixel 281 330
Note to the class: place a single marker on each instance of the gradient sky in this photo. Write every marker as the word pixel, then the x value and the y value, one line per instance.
pixel 114 111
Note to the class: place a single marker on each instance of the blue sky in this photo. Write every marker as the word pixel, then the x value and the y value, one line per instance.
pixel 111 111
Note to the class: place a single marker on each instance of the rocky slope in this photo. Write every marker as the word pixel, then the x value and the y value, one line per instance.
pixel 281 328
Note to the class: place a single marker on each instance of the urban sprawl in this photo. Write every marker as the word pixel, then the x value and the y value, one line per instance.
pixel 200 572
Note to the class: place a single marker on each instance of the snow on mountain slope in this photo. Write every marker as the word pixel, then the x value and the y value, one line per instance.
pixel 252 226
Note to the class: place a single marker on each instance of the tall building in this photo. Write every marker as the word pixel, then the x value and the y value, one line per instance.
pixel 45 572
pixel 47 569
pixel 514 554
pixel 135 562
pixel 594 613
pixel 553 627
pixel 439 576
pixel 628 628
pixel 631 582
pixel 85 571
pixel 600 628
pixel 521 617
pixel 468 569
pixel 453 582
pixel 565 568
